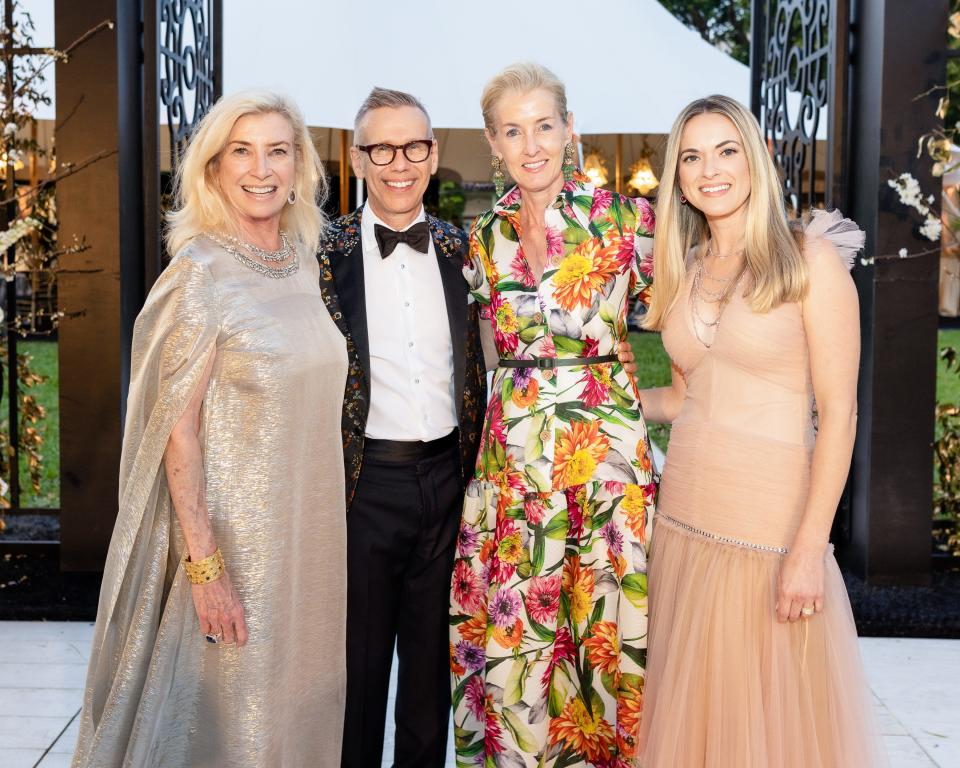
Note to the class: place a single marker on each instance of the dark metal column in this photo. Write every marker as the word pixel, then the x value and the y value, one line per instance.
pixel 898 53
pixel 130 107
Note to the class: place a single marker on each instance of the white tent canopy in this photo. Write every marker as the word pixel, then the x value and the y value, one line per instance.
pixel 629 65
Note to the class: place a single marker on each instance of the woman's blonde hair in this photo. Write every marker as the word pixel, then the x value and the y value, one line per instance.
pixel 522 77
pixel 200 204
pixel 771 246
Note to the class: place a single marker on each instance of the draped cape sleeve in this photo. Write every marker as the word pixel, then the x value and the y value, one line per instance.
pixel 174 337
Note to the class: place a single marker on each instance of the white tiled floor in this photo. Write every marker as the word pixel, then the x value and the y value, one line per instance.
pixel 42 666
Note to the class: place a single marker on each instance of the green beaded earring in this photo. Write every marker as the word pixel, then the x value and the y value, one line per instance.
pixel 498 176
pixel 569 156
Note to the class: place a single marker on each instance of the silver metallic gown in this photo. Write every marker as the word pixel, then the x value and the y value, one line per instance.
pixel 157 694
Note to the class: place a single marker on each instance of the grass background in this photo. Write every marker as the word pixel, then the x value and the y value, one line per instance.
pixel 44 362
pixel 652 361
pixel 948 384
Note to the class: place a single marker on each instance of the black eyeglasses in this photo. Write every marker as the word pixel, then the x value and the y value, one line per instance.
pixel 383 154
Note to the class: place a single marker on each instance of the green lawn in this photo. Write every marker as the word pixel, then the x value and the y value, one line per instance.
pixel 948 385
pixel 653 370
pixel 44 362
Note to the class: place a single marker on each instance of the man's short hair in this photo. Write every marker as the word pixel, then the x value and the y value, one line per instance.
pixel 386 97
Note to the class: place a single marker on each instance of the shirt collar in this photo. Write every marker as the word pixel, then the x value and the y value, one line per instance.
pixel 368 219
pixel 508 206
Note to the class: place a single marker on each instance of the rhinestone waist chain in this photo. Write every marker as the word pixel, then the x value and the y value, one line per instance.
pixel 721 539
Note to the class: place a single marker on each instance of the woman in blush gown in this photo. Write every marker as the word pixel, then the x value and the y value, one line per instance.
pixel 753 659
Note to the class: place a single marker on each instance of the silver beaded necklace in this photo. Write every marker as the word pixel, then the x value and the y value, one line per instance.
pixel 232 246
pixel 281 254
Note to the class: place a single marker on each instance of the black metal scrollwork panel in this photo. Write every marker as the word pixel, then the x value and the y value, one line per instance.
pixel 187 65
pixel 796 91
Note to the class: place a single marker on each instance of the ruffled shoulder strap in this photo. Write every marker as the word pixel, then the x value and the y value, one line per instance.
pixel 844 234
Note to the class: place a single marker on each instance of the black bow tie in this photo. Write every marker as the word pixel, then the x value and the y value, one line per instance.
pixel 417 237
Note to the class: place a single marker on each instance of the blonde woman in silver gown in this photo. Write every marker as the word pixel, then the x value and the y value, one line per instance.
pixel 220 632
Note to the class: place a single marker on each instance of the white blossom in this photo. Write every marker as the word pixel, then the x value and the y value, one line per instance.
pixel 16 231
pixel 908 188
pixel 931 228
pixel 10 129
pixel 902 253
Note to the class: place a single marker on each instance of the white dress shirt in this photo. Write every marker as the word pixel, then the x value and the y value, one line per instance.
pixel 411 353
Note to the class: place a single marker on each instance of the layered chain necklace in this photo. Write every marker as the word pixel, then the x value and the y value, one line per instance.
pixel 237 247
pixel 720 297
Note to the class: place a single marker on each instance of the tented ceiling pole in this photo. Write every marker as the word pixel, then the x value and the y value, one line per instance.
pixel 344 173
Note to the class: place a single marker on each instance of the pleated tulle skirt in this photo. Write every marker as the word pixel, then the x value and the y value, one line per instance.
pixel 728 686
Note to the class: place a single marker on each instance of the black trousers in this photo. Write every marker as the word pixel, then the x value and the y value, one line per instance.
pixel 401 533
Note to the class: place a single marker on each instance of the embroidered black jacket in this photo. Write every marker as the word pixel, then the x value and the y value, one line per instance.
pixel 342 286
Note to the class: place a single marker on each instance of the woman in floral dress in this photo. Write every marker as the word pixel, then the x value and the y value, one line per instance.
pixel 548 608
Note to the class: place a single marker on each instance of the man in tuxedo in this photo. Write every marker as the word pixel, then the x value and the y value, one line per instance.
pixel 412 415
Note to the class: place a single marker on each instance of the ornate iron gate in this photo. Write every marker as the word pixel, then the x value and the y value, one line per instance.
pixel 187 51
pixel 799 62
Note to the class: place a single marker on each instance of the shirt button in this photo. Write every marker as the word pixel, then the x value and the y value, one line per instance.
pixel 406 303
pixel 545 436
pixel 416 381
pixel 410 344
pixel 549 373
pixel 403 266
pixel 538 318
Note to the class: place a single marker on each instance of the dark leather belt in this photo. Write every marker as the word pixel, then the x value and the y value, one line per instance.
pixel 556 362
pixel 408 451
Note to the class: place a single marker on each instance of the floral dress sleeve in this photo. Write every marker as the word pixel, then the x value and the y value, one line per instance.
pixel 476 265
pixel 642 272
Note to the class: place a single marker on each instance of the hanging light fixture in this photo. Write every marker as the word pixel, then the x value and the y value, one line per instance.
pixel 642 177
pixel 595 167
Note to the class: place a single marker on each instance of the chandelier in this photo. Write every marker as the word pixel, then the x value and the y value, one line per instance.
pixel 642 177
pixel 595 167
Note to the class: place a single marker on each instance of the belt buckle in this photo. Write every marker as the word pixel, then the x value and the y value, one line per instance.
pixel 546 363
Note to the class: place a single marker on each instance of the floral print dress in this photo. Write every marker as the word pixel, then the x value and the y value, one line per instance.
pixel 548 617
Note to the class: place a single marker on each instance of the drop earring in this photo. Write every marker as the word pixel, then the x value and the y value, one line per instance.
pixel 569 155
pixel 292 197
pixel 498 176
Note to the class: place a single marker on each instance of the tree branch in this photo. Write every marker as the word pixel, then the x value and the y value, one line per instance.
pixel 69 170
pixel 63 55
